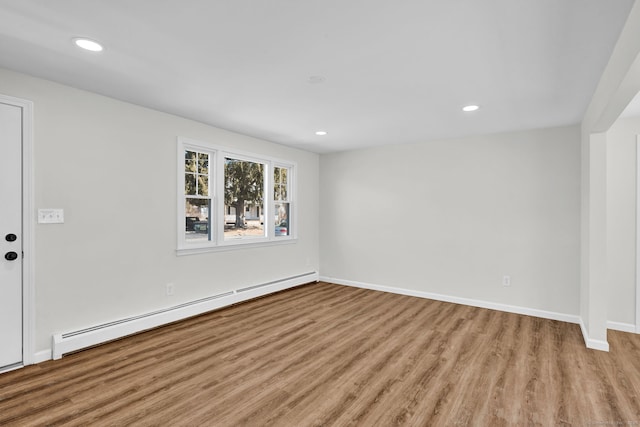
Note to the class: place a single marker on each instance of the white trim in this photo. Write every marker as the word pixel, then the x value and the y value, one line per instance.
pixel 42 356
pixel 622 327
pixel 248 155
pixel 591 343
pixel 233 246
pixel 63 343
pixel 569 318
pixel 28 218
pixel 11 368
pixel 638 234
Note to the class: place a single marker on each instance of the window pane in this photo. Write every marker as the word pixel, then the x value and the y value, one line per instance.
pixel 203 163
pixel 190 161
pixel 282 226
pixel 197 223
pixel 196 179
pixel 280 193
pixel 203 185
pixel 190 184
pixel 237 225
pixel 244 195
pixel 280 183
pixel 276 176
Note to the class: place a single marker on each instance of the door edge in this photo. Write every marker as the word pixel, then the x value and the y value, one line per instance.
pixel 28 217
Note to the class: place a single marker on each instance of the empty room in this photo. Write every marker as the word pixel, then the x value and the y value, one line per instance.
pixel 303 213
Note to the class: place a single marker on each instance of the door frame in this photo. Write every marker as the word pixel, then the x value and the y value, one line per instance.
pixel 28 217
pixel 637 234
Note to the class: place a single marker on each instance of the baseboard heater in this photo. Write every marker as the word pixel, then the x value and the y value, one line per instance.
pixel 83 338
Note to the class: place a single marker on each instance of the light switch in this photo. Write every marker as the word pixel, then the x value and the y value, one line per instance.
pixel 50 216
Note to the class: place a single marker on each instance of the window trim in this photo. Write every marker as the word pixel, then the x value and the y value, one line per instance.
pixel 217 156
pixel 291 179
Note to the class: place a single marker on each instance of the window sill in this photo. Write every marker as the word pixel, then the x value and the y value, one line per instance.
pixel 234 245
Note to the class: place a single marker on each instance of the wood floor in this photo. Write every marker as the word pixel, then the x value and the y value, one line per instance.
pixel 324 355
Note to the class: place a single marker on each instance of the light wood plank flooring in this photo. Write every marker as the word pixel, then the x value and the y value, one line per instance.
pixel 325 354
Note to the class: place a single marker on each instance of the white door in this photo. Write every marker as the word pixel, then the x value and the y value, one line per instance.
pixel 10 235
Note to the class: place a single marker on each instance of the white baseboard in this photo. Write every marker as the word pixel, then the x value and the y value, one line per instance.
pixel 39 357
pixel 591 343
pixel 42 356
pixel 622 327
pixel 63 343
pixel 569 318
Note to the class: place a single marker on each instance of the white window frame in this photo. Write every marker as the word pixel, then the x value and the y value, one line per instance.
pixel 290 194
pixel 217 156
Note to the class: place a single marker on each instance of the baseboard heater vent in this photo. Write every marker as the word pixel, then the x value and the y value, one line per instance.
pixel 76 340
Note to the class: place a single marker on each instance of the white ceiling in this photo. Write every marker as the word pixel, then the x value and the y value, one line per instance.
pixel 394 71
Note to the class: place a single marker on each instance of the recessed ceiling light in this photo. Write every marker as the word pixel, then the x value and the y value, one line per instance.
pixel 321 133
pixel 470 108
pixel 314 80
pixel 88 44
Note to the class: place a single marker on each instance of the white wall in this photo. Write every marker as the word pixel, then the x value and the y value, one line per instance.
pixel 112 167
pixel 452 217
pixel 621 219
pixel 619 83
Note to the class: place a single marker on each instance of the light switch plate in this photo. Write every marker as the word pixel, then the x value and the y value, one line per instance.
pixel 50 216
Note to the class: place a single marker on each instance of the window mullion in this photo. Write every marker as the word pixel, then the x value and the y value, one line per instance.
pixel 219 197
pixel 269 205
pixel 181 196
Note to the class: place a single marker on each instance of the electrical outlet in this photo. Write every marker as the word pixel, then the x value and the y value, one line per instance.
pixel 170 289
pixel 506 280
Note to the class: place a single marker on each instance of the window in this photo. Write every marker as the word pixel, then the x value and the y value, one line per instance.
pixel 228 199
pixel 281 200
pixel 197 198
pixel 244 193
